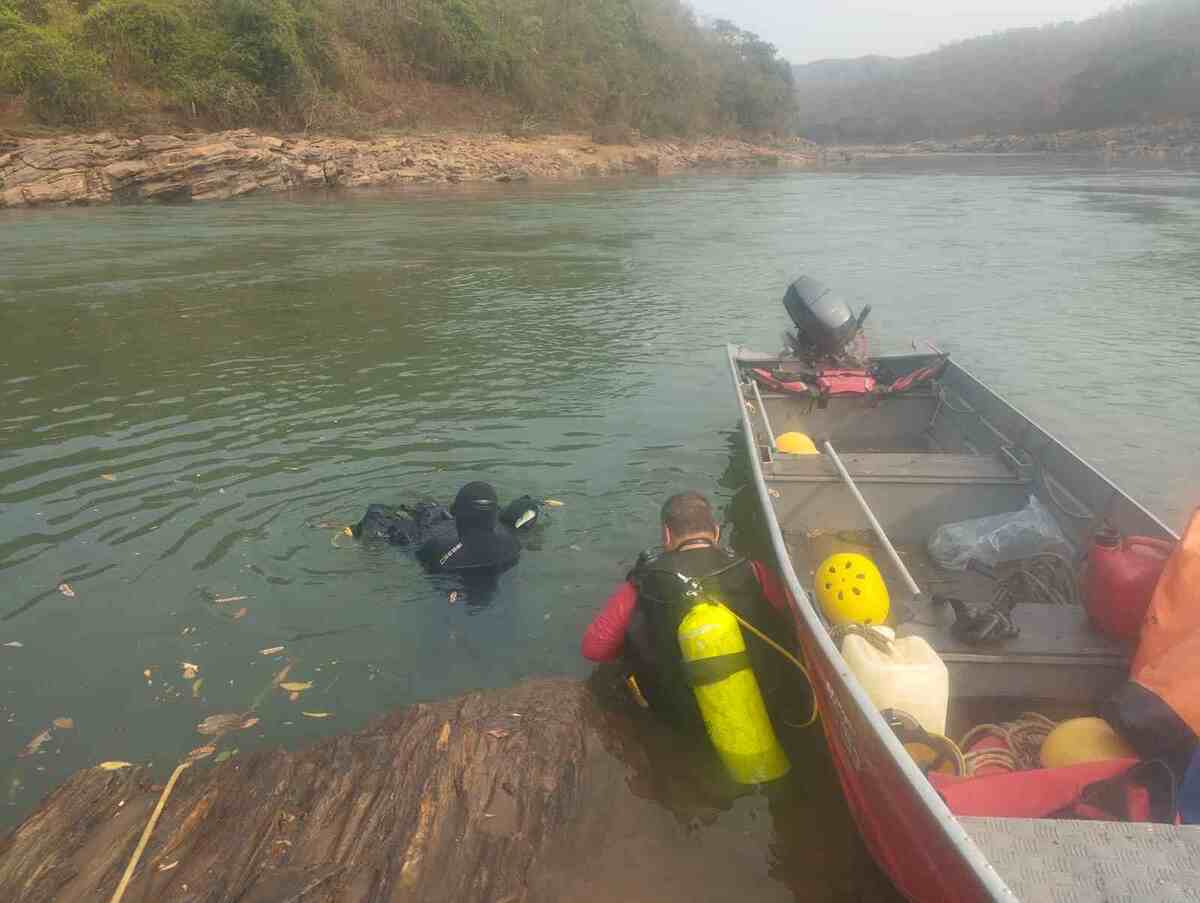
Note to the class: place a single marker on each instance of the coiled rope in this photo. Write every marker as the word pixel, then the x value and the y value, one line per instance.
pixel 1045 579
pixel 1023 739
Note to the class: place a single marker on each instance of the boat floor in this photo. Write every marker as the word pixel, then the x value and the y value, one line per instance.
pixel 1061 861
pixel 1052 637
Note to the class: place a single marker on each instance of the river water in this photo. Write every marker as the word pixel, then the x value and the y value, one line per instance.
pixel 187 394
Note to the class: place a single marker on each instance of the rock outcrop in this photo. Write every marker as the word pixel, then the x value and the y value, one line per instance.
pixel 1178 140
pixel 104 168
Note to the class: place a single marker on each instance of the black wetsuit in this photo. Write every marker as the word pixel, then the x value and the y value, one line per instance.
pixel 472 538
pixel 470 550
pixel 403 525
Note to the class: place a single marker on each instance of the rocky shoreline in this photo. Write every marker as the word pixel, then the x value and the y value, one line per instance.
pixel 103 168
pixel 1178 140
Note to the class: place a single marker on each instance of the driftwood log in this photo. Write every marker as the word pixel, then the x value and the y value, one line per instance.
pixel 534 793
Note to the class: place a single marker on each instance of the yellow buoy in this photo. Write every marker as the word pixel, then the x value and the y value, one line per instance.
pixel 1082 740
pixel 726 689
pixel 795 444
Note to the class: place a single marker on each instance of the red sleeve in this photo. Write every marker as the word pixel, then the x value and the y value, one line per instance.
pixel 777 594
pixel 605 636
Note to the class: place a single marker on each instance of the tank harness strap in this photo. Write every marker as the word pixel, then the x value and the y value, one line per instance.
pixel 704 671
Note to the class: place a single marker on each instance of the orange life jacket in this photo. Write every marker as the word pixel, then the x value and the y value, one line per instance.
pixel 1168 655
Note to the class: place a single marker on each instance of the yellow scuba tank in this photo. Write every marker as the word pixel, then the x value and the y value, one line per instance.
pixel 714 655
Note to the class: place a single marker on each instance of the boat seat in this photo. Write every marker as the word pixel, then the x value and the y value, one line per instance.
pixel 1058 654
pixel 1045 860
pixel 893 467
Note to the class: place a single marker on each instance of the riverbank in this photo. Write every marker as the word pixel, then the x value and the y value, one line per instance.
pixel 539 792
pixel 1179 140
pixel 103 168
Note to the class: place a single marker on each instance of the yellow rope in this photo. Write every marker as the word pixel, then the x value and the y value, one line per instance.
pixel 141 847
pixel 791 658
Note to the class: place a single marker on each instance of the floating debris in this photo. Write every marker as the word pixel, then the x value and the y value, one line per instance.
pixel 215 725
pixel 201 752
pixel 65 724
pixel 167 866
pixel 453 597
pixel 224 600
pixel 108 476
pixel 35 744
pixel 317 714
pixel 552 503
pixel 271 650
pixel 65 589
pixel 297 686
pixel 15 644
pixel 240 613
pixel 190 670
pixel 114 766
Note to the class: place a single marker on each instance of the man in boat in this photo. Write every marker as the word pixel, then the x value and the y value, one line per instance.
pixel 473 537
pixel 640 620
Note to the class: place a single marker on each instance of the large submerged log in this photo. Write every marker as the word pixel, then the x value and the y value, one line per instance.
pixel 526 794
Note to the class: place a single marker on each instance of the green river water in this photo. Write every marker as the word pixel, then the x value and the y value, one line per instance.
pixel 187 392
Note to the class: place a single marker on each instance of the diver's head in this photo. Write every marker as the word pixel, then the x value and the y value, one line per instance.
pixel 686 517
pixel 475 507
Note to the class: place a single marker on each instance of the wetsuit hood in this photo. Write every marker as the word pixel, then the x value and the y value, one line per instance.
pixel 475 507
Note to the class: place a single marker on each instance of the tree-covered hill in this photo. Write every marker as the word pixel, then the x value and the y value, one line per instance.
pixel 1137 63
pixel 338 64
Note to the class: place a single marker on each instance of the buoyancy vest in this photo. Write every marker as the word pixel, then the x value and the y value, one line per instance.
pixel 662 603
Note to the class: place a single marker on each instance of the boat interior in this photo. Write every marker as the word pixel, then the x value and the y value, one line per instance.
pixel 945 451
pixel 942 453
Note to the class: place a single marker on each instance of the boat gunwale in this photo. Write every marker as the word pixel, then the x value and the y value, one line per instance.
pixel 952 832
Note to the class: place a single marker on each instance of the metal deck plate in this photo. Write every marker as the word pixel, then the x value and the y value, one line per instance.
pixel 1058 861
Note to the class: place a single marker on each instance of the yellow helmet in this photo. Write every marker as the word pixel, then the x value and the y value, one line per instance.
pixel 851 590
pixel 795 444
pixel 1081 740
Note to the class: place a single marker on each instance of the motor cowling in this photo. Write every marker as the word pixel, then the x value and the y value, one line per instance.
pixel 825 324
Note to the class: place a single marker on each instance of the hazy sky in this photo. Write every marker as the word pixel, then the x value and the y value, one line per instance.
pixel 807 30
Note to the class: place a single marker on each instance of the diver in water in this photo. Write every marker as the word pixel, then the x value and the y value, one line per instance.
pixel 473 537
pixel 477 543
pixel 641 618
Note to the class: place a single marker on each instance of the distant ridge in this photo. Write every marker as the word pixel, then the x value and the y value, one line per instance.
pixel 1133 65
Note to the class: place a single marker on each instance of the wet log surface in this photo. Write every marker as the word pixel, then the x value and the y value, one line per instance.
pixel 533 793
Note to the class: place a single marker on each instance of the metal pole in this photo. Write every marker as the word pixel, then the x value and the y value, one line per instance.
pixel 762 409
pixel 875 525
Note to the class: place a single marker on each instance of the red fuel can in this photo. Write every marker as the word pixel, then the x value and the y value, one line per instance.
pixel 1121 575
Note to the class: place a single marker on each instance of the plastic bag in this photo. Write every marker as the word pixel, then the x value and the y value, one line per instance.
pixel 998 538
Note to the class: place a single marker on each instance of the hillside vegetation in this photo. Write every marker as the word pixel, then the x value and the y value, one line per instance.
pixel 1134 64
pixel 337 64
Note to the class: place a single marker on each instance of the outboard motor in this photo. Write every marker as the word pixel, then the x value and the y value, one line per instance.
pixel 826 327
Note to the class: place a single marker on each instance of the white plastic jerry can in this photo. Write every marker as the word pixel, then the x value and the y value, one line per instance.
pixel 911 677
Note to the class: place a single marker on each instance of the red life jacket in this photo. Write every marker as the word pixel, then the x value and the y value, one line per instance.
pixel 917 377
pixel 1115 790
pixel 769 380
pixel 845 382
